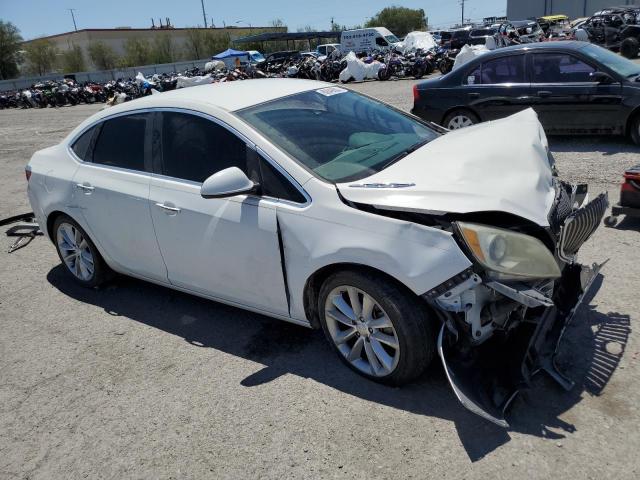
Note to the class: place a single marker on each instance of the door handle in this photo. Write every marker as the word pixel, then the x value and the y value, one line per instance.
pixel 168 208
pixel 87 188
pixel 544 93
pixel 474 95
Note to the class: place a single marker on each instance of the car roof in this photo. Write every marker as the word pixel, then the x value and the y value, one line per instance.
pixel 566 44
pixel 229 96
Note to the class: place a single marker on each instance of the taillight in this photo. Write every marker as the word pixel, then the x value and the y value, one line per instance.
pixel 416 93
pixel 27 172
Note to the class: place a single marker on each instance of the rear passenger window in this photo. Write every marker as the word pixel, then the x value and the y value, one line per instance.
pixel 81 146
pixel 474 77
pixel 503 70
pixel 194 148
pixel 121 142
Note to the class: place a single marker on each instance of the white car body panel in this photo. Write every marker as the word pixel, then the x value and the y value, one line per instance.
pixel 222 246
pixel 494 166
pixel 119 202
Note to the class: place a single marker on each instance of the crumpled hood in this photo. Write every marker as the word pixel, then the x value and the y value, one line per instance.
pixel 501 165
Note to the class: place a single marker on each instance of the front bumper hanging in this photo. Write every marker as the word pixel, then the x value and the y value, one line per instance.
pixel 487 377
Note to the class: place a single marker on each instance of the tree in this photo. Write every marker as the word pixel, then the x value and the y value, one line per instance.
pixel 73 60
pixel 216 42
pixel 137 52
pixel 102 55
pixel 9 50
pixel 400 20
pixel 195 45
pixel 163 50
pixel 41 55
pixel 277 23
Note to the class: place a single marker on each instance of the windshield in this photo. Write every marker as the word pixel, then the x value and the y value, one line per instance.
pixel 615 62
pixel 338 134
pixel 257 57
pixel 391 38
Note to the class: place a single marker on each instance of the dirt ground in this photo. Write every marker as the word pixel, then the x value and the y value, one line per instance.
pixel 138 381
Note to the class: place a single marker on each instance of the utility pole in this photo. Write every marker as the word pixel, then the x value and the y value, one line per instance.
pixel 462 17
pixel 204 15
pixel 73 18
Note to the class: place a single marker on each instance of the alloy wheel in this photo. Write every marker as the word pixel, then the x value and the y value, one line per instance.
pixel 75 251
pixel 459 121
pixel 362 331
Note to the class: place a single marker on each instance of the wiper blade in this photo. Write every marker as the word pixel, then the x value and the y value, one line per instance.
pixel 406 152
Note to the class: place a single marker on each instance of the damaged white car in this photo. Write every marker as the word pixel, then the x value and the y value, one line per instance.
pixel 316 205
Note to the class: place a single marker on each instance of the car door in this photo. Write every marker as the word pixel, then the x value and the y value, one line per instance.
pixel 227 248
pixel 112 192
pixel 568 100
pixel 497 87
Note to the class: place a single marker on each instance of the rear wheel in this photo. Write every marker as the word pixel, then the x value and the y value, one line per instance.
pixel 629 47
pixel 634 129
pixel 379 330
pixel 78 253
pixel 460 118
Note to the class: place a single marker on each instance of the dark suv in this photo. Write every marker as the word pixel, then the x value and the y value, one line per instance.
pixel 616 29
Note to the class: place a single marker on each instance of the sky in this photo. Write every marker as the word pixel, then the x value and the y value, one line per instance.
pixel 36 18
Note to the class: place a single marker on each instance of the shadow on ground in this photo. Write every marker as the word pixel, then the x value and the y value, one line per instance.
pixel 605 144
pixel 289 349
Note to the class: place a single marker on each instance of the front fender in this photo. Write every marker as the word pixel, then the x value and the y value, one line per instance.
pixel 417 256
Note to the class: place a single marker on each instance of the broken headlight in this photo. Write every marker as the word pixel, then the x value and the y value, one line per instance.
pixel 508 255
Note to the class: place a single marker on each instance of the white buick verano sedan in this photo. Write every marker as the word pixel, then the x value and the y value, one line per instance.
pixel 316 205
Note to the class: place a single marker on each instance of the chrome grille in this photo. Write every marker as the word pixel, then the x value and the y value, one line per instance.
pixel 580 225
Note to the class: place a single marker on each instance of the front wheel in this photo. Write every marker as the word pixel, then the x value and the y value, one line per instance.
pixel 378 329
pixel 629 48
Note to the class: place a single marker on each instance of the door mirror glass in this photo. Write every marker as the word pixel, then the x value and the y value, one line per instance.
pixel 601 77
pixel 227 183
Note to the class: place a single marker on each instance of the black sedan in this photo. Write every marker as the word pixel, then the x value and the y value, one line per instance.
pixel 575 87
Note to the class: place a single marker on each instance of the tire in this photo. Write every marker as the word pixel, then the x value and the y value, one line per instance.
pixel 419 73
pixel 66 232
pixel 460 118
pixel 634 129
pixel 629 47
pixel 384 74
pixel 397 318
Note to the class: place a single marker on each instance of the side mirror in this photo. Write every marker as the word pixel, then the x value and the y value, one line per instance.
pixel 601 77
pixel 227 183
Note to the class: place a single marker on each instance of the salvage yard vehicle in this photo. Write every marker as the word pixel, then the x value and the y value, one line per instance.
pixel 314 204
pixel 366 40
pixel 575 87
pixel 616 28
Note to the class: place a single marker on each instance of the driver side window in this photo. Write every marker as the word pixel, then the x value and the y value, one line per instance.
pixel 194 148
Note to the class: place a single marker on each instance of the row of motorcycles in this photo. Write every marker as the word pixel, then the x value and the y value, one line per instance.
pixel 65 92
pixel 414 64
pixel 68 92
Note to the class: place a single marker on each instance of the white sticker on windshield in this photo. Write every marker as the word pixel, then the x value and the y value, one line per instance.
pixel 471 79
pixel 329 91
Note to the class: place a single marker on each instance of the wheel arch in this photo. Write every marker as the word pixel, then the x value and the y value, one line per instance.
pixel 316 279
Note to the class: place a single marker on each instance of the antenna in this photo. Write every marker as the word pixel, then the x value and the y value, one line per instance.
pixel 204 15
pixel 73 18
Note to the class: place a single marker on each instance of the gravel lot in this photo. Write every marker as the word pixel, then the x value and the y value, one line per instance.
pixel 138 381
